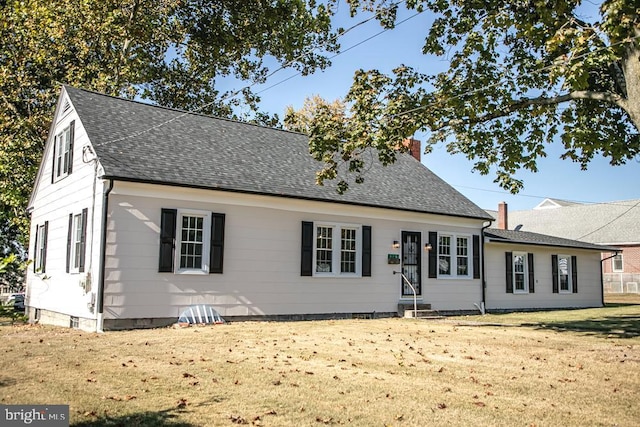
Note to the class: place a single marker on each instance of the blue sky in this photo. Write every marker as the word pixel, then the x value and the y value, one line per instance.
pixel 556 178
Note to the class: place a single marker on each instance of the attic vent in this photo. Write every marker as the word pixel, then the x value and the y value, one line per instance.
pixel 66 106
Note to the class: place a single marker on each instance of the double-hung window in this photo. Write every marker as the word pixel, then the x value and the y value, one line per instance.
pixel 40 253
pixel 76 242
pixel 453 255
pixel 564 269
pixel 616 264
pixel 63 152
pixel 520 273
pixel 337 249
pixel 191 241
pixel 331 249
pixel 564 273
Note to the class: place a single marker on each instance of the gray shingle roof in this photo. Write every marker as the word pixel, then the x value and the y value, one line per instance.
pixel 512 236
pixel 606 223
pixel 140 142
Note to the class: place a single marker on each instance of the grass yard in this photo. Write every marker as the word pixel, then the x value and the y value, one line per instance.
pixel 386 372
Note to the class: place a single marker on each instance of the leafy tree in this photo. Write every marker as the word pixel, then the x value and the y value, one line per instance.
pixel 522 73
pixel 172 52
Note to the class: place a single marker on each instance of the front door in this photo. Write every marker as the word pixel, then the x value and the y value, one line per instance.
pixel 411 261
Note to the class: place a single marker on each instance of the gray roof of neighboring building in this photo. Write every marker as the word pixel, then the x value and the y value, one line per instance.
pixel 145 143
pixel 613 223
pixel 523 237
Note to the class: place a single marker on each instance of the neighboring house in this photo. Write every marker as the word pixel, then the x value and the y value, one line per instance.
pixel 139 212
pixel 614 224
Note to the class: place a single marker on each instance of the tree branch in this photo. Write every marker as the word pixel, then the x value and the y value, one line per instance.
pixel 610 98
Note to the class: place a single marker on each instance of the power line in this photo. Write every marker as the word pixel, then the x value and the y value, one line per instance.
pixel 235 93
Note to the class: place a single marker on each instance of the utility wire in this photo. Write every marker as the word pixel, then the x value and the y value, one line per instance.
pixel 235 93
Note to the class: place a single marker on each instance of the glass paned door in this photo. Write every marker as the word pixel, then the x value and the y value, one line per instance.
pixel 411 262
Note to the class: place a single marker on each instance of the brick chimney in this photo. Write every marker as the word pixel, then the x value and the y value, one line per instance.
pixel 414 147
pixel 503 216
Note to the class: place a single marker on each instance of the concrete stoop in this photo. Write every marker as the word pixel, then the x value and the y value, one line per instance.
pixel 422 314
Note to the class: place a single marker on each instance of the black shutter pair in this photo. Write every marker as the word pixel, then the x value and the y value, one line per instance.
pixel 83 241
pixel 72 126
pixel 306 257
pixel 168 229
pixel 44 252
pixel 555 276
pixel 433 255
pixel 509 272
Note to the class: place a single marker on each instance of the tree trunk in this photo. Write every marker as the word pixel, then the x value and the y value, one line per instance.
pixel 631 70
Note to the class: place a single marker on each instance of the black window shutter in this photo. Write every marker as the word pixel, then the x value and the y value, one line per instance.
pixel 167 239
pixel 366 250
pixel 532 278
pixel 508 256
pixel 433 255
pixel 217 243
pixel 69 241
pixel 554 272
pixel 35 251
pixel 476 256
pixel 45 237
pixel 574 273
pixel 53 164
pixel 83 240
pixel 306 260
pixel 71 135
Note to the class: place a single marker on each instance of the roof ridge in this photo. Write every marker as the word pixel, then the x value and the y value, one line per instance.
pixel 178 110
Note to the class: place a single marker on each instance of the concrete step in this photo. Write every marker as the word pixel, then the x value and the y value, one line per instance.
pixel 422 314
pixel 404 306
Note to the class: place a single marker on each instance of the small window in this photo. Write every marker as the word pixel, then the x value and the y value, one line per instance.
pixel 76 242
pixel 444 255
pixel 341 257
pixel 41 249
pixel 74 322
pixel 63 153
pixel 520 273
pixel 616 264
pixel 564 273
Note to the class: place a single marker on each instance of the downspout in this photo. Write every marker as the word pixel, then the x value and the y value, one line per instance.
pixel 602 274
pixel 103 257
pixel 484 280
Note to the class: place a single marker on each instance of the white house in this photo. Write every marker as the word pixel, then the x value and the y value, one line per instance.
pixel 139 212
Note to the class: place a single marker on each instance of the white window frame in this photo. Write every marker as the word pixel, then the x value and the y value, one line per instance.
pixel 453 256
pixel 337 249
pixel 569 275
pixel 76 243
pixel 61 162
pixel 206 241
pixel 618 257
pixel 524 273
pixel 40 250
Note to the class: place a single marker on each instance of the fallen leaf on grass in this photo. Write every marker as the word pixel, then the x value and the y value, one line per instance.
pixel 187 375
pixel 442 406
pixel 324 420
pixel 237 419
pixel 480 404
pixel 182 403
pixel 91 380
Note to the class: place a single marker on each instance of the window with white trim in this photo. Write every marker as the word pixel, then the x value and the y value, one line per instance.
pixel 41 249
pixel 564 273
pixel 63 153
pixel 520 273
pixel 76 242
pixel 453 255
pixel 192 248
pixel 338 249
pixel 616 264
